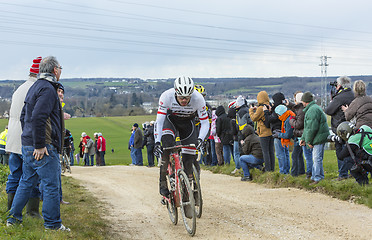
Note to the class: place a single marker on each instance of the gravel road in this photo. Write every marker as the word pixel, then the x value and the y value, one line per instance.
pixel 232 209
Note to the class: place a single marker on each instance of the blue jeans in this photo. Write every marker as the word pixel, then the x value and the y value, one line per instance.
pixel 213 152
pixel 138 156
pixel 133 156
pixel 282 153
pixel 71 158
pixel 47 170
pixel 15 167
pixel 308 153
pixel 102 155
pixel 227 152
pixel 236 155
pixel 250 161
pixel 345 165
pixel 318 153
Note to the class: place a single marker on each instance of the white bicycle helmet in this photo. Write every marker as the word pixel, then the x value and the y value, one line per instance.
pixel 184 86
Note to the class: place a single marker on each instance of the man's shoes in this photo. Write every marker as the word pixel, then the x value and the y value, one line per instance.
pixel 61 228
pixel 235 170
pixel 314 182
pixel 9 224
pixel 131 164
pixel 246 179
pixel 308 176
pixel 64 202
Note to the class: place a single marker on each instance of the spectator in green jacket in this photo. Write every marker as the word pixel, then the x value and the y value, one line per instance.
pixel 315 134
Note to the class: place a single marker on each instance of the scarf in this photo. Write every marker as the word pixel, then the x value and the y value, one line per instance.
pixel 283 117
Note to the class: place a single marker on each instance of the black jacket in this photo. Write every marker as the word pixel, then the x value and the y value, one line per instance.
pixel 41 116
pixel 271 118
pixel 342 98
pixel 148 133
pixel 223 126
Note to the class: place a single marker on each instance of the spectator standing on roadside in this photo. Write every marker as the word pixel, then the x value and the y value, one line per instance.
pixel 98 157
pixel 272 121
pixel 138 138
pixel 41 148
pixel 213 138
pixel 267 141
pixel 315 134
pixel 285 135
pixel 297 122
pixel 150 143
pixel 4 156
pixel 223 130
pixel 101 145
pixel 343 97
pixel 231 113
pixel 217 140
pixel 14 146
pixel 361 107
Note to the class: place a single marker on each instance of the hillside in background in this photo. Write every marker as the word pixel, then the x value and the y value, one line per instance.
pixel 134 96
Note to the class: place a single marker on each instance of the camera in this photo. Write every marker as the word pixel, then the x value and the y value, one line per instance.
pixel 333 84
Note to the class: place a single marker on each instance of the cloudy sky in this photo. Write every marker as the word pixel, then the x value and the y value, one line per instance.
pixel 197 38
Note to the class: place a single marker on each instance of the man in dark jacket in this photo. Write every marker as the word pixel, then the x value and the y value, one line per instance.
pixel 137 147
pixel 252 152
pixel 42 124
pixel 223 130
pixel 231 113
pixel 343 97
pixel 272 121
pixel 150 143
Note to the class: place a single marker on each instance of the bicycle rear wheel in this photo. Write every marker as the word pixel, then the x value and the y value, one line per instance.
pixel 187 203
pixel 195 185
pixel 171 206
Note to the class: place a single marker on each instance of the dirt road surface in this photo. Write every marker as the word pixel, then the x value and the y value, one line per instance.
pixel 232 209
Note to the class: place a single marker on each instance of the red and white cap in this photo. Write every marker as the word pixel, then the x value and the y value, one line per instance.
pixel 35 66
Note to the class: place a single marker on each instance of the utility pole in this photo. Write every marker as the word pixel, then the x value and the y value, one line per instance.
pixel 323 92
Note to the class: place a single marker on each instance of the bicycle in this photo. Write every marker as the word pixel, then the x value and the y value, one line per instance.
pixel 65 161
pixel 181 191
pixel 196 187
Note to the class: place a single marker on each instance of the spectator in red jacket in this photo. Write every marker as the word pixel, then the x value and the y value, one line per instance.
pixel 101 146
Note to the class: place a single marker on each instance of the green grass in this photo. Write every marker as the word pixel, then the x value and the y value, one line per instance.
pixel 344 190
pixel 82 216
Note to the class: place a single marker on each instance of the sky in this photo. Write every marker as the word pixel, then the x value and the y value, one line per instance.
pixel 152 39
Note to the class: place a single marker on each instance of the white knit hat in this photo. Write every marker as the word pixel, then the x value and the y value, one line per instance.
pixel 240 101
pixel 298 97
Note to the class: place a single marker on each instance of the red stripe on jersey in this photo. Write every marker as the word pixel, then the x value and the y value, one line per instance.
pixel 204 118
pixel 162 113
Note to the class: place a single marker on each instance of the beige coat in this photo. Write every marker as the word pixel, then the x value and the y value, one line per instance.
pixel 14 143
pixel 259 116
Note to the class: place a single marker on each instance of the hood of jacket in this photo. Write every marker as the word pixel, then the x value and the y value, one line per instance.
pixel 220 110
pixel 278 98
pixel 247 130
pixel 231 113
pixel 263 98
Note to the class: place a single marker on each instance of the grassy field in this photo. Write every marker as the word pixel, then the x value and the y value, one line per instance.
pixel 116 131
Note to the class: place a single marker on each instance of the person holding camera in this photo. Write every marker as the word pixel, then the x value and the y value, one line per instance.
pixel 267 141
pixel 342 96
pixel 358 146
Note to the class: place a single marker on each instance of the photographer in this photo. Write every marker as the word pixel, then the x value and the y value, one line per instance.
pixel 267 141
pixel 358 146
pixel 341 96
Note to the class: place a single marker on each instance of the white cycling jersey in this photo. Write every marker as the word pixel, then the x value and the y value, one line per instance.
pixel 196 106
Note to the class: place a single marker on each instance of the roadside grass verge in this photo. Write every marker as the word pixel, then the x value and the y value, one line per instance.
pixel 83 216
pixel 347 190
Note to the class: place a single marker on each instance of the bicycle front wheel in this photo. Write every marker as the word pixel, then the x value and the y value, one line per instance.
pixel 195 185
pixel 187 203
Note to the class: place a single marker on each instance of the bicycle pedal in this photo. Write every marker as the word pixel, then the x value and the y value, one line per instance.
pixel 163 201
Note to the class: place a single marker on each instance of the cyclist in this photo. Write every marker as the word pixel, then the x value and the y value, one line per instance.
pixel 178 108
pixel 206 156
